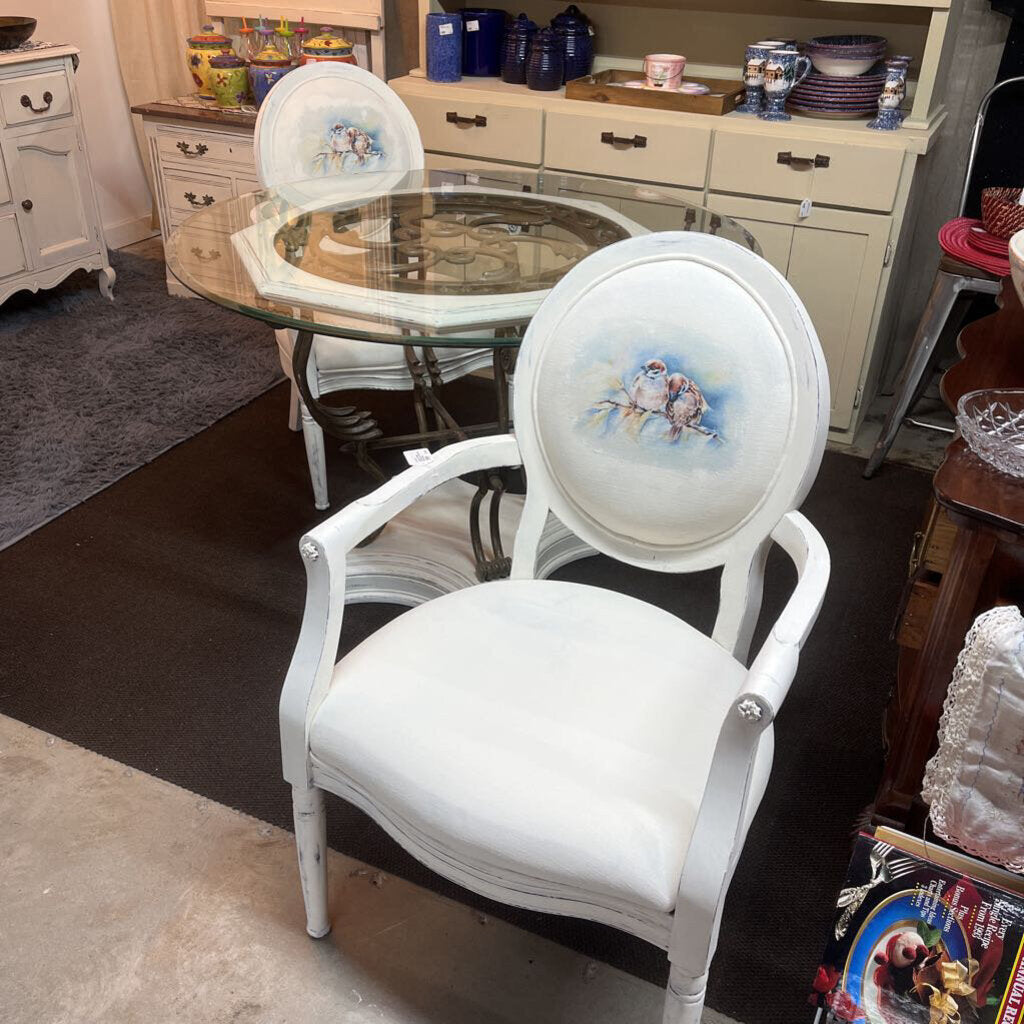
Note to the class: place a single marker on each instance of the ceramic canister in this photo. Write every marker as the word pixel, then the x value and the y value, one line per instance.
pixel 270 65
pixel 515 50
pixel 482 32
pixel 546 61
pixel 327 46
pixel 577 39
pixel 229 80
pixel 201 47
pixel 444 46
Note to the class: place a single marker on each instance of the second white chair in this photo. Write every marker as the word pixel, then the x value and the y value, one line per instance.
pixel 294 128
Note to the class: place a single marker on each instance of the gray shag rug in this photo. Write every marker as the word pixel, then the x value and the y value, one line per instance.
pixel 91 390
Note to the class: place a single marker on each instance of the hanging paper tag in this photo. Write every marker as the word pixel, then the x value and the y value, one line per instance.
pixel 419 456
pixel 472 179
pixel 805 208
pixel 446 29
pixel 472 26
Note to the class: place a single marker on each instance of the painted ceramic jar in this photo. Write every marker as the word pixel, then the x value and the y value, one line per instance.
pixel 268 66
pixel 444 46
pixel 782 70
pixel 577 40
pixel 482 31
pixel 755 59
pixel 891 98
pixel 229 80
pixel 327 46
pixel 546 61
pixel 201 48
pixel 516 49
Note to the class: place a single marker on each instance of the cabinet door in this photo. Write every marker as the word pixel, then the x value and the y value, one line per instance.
pixel 833 259
pixel 54 193
pixel 12 253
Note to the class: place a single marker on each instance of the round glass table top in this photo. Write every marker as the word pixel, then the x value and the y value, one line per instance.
pixel 444 258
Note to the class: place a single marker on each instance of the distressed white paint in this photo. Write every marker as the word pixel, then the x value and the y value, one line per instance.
pixel 48 210
pixel 509 747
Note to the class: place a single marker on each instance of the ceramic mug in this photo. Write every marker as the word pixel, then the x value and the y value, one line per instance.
pixel 780 75
pixel 664 70
pixel 753 75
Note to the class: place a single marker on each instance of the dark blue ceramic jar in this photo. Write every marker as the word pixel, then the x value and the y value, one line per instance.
pixel 444 47
pixel 516 49
pixel 577 41
pixel 482 32
pixel 546 62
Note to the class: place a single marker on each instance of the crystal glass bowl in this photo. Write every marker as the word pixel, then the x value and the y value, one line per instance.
pixel 992 424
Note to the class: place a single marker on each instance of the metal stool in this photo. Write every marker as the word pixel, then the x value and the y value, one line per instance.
pixel 953 280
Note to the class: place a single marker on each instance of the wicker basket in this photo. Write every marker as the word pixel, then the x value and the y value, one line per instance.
pixel 1001 213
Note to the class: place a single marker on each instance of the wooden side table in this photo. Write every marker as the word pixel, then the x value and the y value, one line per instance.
pixel 986 563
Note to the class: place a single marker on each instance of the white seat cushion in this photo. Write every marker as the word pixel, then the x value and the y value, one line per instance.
pixel 557 731
pixel 333 353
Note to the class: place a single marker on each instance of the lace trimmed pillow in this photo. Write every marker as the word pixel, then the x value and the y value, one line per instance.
pixel 975 781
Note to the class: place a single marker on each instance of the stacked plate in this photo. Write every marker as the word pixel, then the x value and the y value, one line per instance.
pixel 838 97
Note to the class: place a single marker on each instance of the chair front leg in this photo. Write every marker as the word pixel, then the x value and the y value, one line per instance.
pixel 311 843
pixel 684 999
pixel 316 456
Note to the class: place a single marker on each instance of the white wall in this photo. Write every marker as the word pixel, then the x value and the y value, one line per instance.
pixel 124 197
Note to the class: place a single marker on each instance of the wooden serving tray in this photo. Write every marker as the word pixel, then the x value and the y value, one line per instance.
pixel 600 88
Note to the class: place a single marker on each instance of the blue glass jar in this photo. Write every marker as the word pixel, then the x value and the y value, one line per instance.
pixel 482 32
pixel 444 47
pixel 516 49
pixel 577 41
pixel 545 65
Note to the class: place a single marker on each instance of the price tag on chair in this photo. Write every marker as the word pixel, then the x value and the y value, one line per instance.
pixel 419 456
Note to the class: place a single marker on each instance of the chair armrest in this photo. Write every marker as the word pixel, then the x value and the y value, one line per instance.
pixel 720 828
pixel 324 551
pixel 774 668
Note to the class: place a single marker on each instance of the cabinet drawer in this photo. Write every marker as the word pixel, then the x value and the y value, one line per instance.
pixel 864 177
pixel 190 192
pixel 5 184
pixel 670 153
pixel 12 252
pixel 183 145
pixel 29 98
pixel 504 131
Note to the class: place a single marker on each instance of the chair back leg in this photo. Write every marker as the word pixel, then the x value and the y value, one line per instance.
pixel 684 998
pixel 313 436
pixel 294 409
pixel 311 842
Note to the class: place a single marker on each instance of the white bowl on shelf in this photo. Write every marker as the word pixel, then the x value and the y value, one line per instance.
pixel 1017 263
pixel 842 67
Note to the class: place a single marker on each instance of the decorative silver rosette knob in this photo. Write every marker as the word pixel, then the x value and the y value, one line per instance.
pixel 309 551
pixel 750 710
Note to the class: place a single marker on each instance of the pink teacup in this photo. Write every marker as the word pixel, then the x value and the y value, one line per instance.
pixel 664 70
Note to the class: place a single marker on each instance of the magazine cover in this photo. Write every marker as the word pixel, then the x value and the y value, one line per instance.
pixel 913 941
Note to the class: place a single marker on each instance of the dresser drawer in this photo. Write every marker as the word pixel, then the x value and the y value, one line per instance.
pixel 187 193
pixel 832 173
pixel 5 184
pixel 12 252
pixel 488 130
pixel 670 153
pixel 29 98
pixel 186 146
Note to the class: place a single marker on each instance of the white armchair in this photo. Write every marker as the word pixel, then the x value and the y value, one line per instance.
pixel 291 135
pixel 557 746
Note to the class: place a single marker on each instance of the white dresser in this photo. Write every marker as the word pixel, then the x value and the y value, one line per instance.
pixel 49 219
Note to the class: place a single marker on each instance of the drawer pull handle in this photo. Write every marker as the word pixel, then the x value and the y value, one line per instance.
pixel 803 162
pixel 205 201
pixel 637 142
pixel 26 205
pixel 479 120
pixel 200 149
pixel 198 253
pixel 47 103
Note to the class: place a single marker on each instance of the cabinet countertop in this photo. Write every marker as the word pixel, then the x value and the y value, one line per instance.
pixel 493 90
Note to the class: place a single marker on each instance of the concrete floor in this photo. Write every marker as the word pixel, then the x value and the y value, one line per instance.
pixel 127 900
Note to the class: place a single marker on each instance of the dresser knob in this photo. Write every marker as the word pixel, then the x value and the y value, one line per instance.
pixel 26 204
